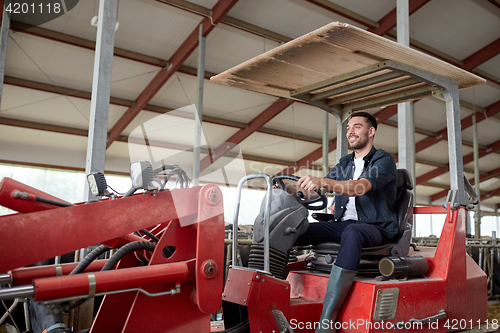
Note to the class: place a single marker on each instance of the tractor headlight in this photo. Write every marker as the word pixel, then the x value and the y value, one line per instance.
pixel 141 173
pixel 97 183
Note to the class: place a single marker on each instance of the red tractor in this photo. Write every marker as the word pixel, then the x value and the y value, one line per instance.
pixel 429 289
pixel 168 274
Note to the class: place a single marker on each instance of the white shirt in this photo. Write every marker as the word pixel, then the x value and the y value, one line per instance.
pixel 350 212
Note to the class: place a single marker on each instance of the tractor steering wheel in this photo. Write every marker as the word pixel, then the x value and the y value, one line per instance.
pixel 307 203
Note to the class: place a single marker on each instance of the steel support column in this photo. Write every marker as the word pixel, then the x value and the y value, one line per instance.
pixel 413 158
pixel 430 218
pixel 406 126
pixel 403 22
pixel 325 147
pixel 457 195
pixel 4 39
pixel 406 139
pixel 101 88
pixel 477 214
pixel 497 220
pixel 326 143
pixel 468 224
pixel 406 131
pixel 341 136
pixel 199 108
pixel 98 122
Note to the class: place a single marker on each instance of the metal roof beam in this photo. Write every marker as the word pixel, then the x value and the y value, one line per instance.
pixel 419 45
pixel 345 13
pixel 145 59
pixel 467 159
pixel 466 122
pixel 230 21
pixel 72 40
pixel 60 167
pixel 218 12
pixel 150 107
pixel 389 21
pixel 495 2
pixel 493 193
pixel 492 174
pixel 481 56
pixel 123 138
pixel 264 117
pixel 215 120
pixel 90 45
pixel 443 165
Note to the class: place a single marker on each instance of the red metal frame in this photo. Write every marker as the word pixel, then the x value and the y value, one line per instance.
pixel 454 283
pixel 33 237
pixel 261 294
pixel 76 285
pixel 196 264
pixel 26 275
pixel 9 185
pixel 430 210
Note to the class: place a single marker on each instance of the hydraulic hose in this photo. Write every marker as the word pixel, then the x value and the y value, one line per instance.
pixel 130 192
pixel 150 235
pixel 32 197
pixel 130 247
pixel 89 258
pixel 124 250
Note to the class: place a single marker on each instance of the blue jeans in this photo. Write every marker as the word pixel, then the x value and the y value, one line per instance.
pixel 351 235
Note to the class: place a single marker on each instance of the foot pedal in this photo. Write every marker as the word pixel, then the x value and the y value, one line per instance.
pixel 283 324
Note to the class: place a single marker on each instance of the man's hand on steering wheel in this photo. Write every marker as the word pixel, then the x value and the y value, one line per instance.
pixel 310 183
pixel 306 200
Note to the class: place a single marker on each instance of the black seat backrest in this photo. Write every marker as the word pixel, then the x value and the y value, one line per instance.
pixel 404 181
pixel 404 211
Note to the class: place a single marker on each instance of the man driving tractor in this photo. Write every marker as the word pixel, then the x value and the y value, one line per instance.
pixel 364 183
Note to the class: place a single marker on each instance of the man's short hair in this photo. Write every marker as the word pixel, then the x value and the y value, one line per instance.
pixel 372 122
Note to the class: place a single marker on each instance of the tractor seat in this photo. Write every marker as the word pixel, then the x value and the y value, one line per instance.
pixel 325 252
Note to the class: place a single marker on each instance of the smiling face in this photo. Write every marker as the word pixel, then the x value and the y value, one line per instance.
pixel 359 132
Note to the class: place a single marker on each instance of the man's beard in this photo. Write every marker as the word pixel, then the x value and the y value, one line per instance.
pixel 360 144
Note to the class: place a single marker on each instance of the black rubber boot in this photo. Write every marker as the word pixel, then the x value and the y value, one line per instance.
pixel 339 283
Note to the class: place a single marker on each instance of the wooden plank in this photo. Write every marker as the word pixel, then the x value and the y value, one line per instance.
pixel 333 50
